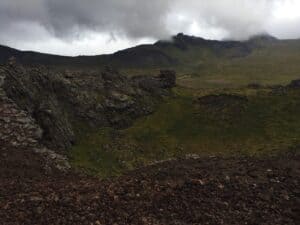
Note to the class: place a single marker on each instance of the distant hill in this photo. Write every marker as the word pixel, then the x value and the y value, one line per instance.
pixel 188 55
pixel 33 58
pixel 161 53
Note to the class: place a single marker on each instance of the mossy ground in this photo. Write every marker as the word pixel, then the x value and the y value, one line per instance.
pixel 269 124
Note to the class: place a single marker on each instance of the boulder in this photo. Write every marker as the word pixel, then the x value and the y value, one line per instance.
pixel 295 84
pixel 167 78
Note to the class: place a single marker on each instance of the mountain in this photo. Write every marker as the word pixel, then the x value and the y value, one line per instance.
pixel 36 58
pixel 161 53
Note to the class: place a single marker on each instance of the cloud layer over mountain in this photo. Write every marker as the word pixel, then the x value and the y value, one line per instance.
pixel 61 22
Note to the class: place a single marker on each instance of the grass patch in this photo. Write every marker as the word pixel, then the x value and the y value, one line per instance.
pixel 268 124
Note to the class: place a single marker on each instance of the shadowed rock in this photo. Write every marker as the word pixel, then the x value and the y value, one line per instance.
pixel 294 84
pixel 61 101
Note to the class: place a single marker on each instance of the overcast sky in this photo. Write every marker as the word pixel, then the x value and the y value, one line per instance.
pixel 87 27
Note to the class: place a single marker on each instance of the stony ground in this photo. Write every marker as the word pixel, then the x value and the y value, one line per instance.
pixel 193 191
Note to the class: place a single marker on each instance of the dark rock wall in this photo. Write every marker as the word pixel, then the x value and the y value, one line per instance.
pixel 21 154
pixel 60 101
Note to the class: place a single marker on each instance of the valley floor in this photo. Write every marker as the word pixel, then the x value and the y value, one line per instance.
pixel 188 191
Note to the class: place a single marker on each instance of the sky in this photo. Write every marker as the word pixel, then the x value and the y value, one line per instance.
pixel 89 27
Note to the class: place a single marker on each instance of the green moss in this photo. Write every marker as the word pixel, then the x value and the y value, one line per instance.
pixel 89 153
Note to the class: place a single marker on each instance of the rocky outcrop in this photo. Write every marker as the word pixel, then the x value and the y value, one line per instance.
pixel 295 84
pixel 61 102
pixel 20 137
pixel 18 129
pixel 157 85
pixel 31 91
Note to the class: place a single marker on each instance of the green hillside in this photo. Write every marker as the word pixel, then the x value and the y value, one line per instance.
pixel 270 64
pixel 198 62
pixel 238 63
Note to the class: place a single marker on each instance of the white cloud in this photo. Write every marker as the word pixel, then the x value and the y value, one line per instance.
pixel 85 27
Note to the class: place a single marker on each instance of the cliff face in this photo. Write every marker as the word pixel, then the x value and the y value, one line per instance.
pixel 21 151
pixel 60 101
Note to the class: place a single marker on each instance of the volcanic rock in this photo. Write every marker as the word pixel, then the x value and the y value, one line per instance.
pixel 60 101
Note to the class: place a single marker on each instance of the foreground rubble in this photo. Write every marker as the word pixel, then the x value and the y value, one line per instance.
pixel 191 191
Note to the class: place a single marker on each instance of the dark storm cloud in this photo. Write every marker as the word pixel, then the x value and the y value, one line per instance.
pixel 134 18
pixel 22 21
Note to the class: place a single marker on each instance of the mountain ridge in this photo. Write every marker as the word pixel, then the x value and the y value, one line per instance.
pixel 144 52
pixel 198 62
pixel 155 43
